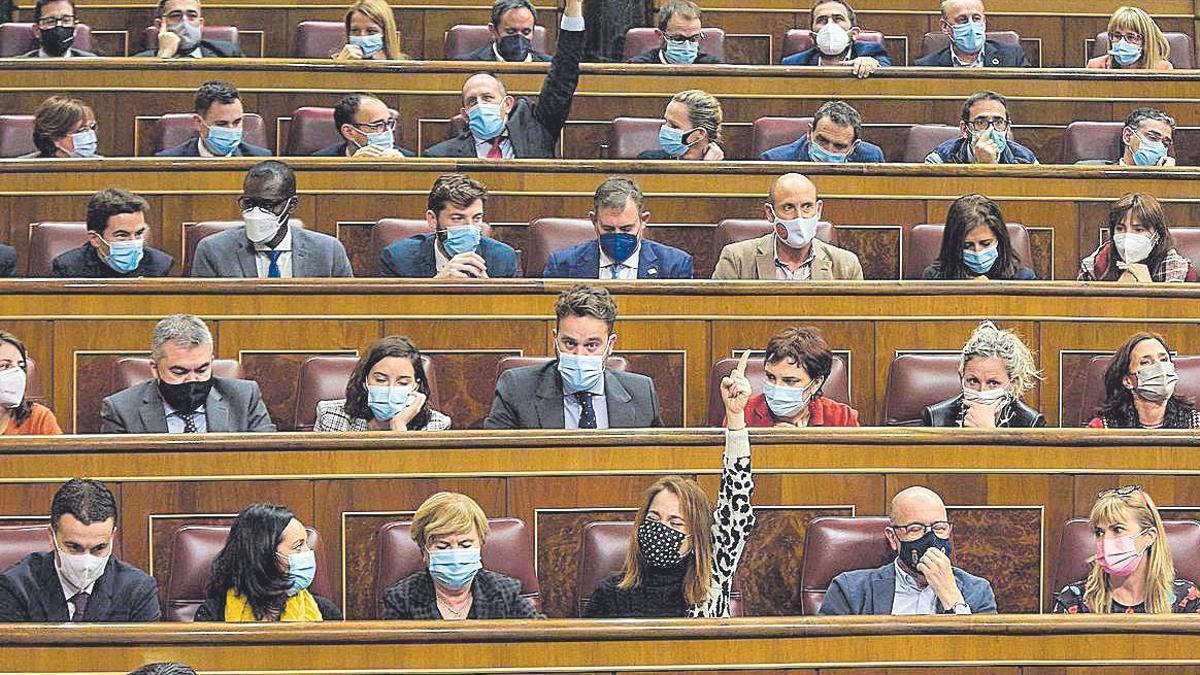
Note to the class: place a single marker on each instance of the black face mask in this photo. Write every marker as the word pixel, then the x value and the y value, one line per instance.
pixel 911 551
pixel 56 41
pixel 659 545
pixel 514 47
pixel 185 397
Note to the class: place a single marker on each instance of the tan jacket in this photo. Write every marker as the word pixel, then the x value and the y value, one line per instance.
pixel 755 259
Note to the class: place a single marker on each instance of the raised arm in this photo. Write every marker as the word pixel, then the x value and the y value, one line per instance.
pixel 558 89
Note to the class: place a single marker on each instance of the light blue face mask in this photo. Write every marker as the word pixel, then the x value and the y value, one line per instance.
pixel 125 256
pixel 1149 153
pixel 462 239
pixel 385 139
pixel 385 402
pixel 302 568
pixel 580 372
pixel 786 401
pixel 671 141
pixel 1125 53
pixel 486 120
pixel 369 44
pixel 454 568
pixel 968 37
pixel 681 53
pixel 980 262
pixel 223 140
pixel 818 154
pixel 85 143
pixel 999 139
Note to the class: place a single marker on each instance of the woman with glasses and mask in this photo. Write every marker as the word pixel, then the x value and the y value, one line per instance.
pixel 1139 386
pixel 1141 249
pixel 996 370
pixel 264 571
pixel 18 415
pixel 691 129
pixel 683 553
pixel 371 33
pixel 1133 571
pixel 975 244
pixel 797 366
pixel 63 127
pixel 1134 43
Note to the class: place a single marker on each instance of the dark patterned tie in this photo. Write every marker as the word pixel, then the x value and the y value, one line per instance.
pixel 189 423
pixel 273 269
pixel 587 413
pixel 80 601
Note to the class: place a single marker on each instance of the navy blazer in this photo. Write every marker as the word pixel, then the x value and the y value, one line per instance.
pixel 872 592
pixel 414 258
pixel 191 148
pixel 655 261
pixel 955 151
pixel 812 55
pixel 8 260
pixel 85 263
pixel 31 591
pixel 486 53
pixel 213 49
pixel 339 150
pixel 797 151
pixel 995 55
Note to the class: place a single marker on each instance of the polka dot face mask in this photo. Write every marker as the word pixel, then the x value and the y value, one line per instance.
pixel 659 544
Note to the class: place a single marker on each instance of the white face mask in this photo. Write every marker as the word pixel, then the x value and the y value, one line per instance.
pixel 987 396
pixel 832 39
pixel 83 569
pixel 12 387
pixel 1133 247
pixel 261 224
pixel 800 231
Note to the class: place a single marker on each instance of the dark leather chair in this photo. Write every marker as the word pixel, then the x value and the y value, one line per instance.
pixel 617 363
pixel 218 33
pixel 630 136
pixel 312 128
pixel 194 232
pixel 547 235
pixel 1078 545
pixel 1092 140
pixel 640 40
pixel 132 370
pixel 1091 393
pixel 837 387
pixel 1187 242
pixel 193 550
pixel 733 230
pixel 936 42
pixel 798 40
pixel 924 243
pixel 917 380
pixel 16 135
pixel 772 132
pixel 1182 55
pixel 47 240
pixel 833 545
pixel 324 378
pixel 17 38
pixel 923 138
pixel 18 541
pixel 175 128
pixel 508 550
pixel 464 39
pixel 318 39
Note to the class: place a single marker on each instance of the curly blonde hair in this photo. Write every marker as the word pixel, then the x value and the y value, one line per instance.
pixel 990 341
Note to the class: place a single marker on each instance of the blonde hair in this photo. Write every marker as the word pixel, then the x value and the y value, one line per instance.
pixel 698 511
pixel 1158 564
pixel 989 341
pixel 1154 43
pixel 380 13
pixel 448 513
pixel 704 112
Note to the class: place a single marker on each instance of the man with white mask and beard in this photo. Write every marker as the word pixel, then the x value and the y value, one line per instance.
pixel 180 26
pixel 791 252
pixel 835 31
pixel 268 245
pixel 79 580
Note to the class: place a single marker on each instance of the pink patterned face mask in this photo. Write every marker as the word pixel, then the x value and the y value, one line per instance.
pixel 1119 555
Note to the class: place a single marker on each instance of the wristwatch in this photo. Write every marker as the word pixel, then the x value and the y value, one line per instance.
pixel 959 608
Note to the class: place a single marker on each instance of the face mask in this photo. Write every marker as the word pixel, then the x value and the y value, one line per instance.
pixel 580 372
pixel 1132 246
pixel 189 36
pixel 671 141
pixel 681 53
pixel 1156 382
pixel 302 567
pixel 1119 556
pixel 80 570
pixel 223 140
pixel 454 568
pixel 85 143
pixel 619 245
pixel 369 44
pixel 659 545
pixel 56 41
pixel 486 120
pixel 786 401
pixel 968 37
pixel 1149 153
pixel 980 262
pixel 385 402
pixel 185 397
pixel 12 387
pixel 989 397
pixel 261 225
pixel 800 231
pixel 911 551
pixel 1124 53
pixel 385 139
pixel 125 256
pixel 997 138
pixel 514 47
pixel 818 154
pixel 832 39
pixel 461 239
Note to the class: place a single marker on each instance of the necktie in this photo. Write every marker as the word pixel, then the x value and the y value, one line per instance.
pixel 616 270
pixel 80 601
pixel 587 413
pixel 495 152
pixel 189 423
pixel 273 270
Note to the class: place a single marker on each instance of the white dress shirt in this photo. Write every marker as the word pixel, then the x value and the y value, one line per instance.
pixel 70 592
pixel 626 271
pixel 572 409
pixel 910 597
pixel 262 261
pixel 43 55
pixel 175 423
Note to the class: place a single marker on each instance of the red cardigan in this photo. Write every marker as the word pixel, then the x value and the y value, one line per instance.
pixel 823 412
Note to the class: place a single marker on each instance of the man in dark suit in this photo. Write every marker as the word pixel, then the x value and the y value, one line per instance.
pixel 219 117
pixel 965 24
pixel 367 129
pixel 501 127
pixel 54 31
pixel 116 246
pixel 512 26
pixel 577 390
pixel 834 139
pixel 620 250
pixel 680 28
pixel 79 579
pixel 835 30
pixel 8 260
pixel 456 249
pixel 180 24
pixel 184 397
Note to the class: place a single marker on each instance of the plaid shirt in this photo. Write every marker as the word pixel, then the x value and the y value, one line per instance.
pixel 493 596
pixel 1174 268
pixel 331 416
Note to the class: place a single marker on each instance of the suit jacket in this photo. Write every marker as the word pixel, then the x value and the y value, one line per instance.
pixel 415 258
pixel 339 150
pixel 191 148
pixel 531 397
pixel 797 151
pixel 231 255
pixel 31 591
pixel 213 49
pixel 655 261
pixel 652 56
pixel 486 53
pixel 945 414
pixel 232 405
pixel 755 259
pixel 493 596
pixel 85 263
pixel 533 128
pixel 872 592
pixel 995 55
pixel 812 55
pixel 8 260
pixel 75 53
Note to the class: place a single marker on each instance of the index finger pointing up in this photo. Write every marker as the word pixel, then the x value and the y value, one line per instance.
pixel 741 366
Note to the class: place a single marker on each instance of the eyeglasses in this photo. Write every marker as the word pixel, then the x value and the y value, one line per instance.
pixel 1123 491
pixel 1155 137
pixel 8 365
pixel 51 21
pixel 681 39
pixel 1131 38
pixel 916 530
pixel 178 15
pixel 383 125
pixel 982 123
pixel 247 203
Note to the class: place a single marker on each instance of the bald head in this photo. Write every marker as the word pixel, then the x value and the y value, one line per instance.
pixel 916 505
pixel 792 186
pixel 483 87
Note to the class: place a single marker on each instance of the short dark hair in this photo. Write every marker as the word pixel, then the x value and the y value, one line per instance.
pixel 584 300
pixel 850 13
pixel 162 6
pixel 112 202
pixel 214 91
pixel 37 9
pixel 165 668
pixel 277 170
pixel 670 8
pixel 982 96
pixel 457 189
pixel 804 346
pixel 85 499
pixel 356 388
pixel 502 7
pixel 347 107
pixel 841 114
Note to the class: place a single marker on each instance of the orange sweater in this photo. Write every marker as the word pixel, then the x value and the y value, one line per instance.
pixel 41 422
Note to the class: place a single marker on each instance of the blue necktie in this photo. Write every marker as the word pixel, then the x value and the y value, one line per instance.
pixel 273 271
pixel 587 413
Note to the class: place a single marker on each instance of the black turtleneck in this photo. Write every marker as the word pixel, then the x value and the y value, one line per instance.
pixel 659 595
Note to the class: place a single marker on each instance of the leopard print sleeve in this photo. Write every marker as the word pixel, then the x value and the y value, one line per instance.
pixel 733 520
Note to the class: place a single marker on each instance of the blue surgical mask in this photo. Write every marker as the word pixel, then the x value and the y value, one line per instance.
pixel 818 154
pixel 1125 53
pixel 369 44
pixel 223 140
pixel 125 256
pixel 671 141
pixel 385 139
pixel 1149 153
pixel 968 37
pixel 580 372
pixel 461 239
pixel 85 143
pixel 454 568
pixel 302 567
pixel 385 402
pixel 487 121
pixel 786 401
pixel 980 262
pixel 618 245
pixel 681 53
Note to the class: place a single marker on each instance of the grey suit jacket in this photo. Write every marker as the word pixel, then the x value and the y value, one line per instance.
pixel 532 398
pixel 231 255
pixel 872 592
pixel 755 259
pixel 232 405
